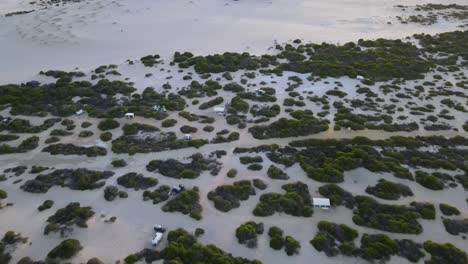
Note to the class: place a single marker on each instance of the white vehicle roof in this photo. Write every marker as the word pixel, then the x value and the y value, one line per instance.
pixel 157 238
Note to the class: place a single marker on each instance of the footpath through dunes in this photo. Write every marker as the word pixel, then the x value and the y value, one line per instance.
pixel 86 33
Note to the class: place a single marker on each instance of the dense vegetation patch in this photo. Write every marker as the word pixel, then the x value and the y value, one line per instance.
pixel 448 210
pixel 227 197
pixel 445 253
pixel 183 248
pixel 71 214
pixel 389 190
pixel 158 195
pixel 70 149
pixel 391 218
pixel 186 202
pixel 66 249
pixel 296 201
pixel 247 233
pixel 283 127
pixel 136 181
pixel 29 143
pixel 176 169
pixel 77 179
pixel 156 142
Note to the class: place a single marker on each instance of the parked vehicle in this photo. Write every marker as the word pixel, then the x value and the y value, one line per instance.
pixel 177 189
pixel 160 230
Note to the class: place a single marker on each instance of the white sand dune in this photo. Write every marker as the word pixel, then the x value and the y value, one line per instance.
pixel 108 31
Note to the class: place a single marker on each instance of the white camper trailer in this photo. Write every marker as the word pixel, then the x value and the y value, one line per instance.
pixel 219 110
pixel 129 115
pixel 322 203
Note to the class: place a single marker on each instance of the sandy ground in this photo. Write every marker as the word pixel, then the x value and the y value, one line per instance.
pixel 90 33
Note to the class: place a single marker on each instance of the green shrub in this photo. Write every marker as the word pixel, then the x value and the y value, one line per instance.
pixel 168 123
pixel 255 167
pixel 291 246
pixel 66 249
pixel 232 173
pixel 276 173
pixel 118 163
pixel 105 136
pixel 444 253
pixel 108 124
pixel 448 210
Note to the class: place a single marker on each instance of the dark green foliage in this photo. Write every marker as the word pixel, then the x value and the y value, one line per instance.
pixel 159 142
pixel 389 190
pixel 150 60
pixel 444 253
pixel 70 149
pixel 448 210
pixel 161 194
pixel 232 173
pixel 188 129
pixel 456 226
pixel 186 202
pixel 238 105
pixel 85 133
pixel 136 181
pixel 71 214
pixel 380 60
pixel 168 123
pixel 108 124
pixel 276 173
pixel 276 237
pixel 3 194
pixel 78 179
pixel 119 163
pixel 29 143
pixel 176 169
pixel 425 210
pixel 291 246
pixel 227 197
pixel 134 128
pixel 259 184
pixel 247 233
pixel 391 218
pixel 337 195
pixel 248 160
pixel 57 99
pixel 341 232
pixel 226 62
pixel 330 234
pixel 378 246
pixel 183 248
pixel 255 167
pixel 66 249
pixel 211 103
pixel 429 181
pixel 45 205
pixel 60 133
pixel 24 126
pixel 289 128
pixel 86 124
pixel 266 111
pixel 8 137
pixel 105 136
pixel 296 201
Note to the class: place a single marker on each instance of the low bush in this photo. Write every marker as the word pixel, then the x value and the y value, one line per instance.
pixel 108 124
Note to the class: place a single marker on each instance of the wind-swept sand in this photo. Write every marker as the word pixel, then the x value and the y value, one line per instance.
pixel 88 33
